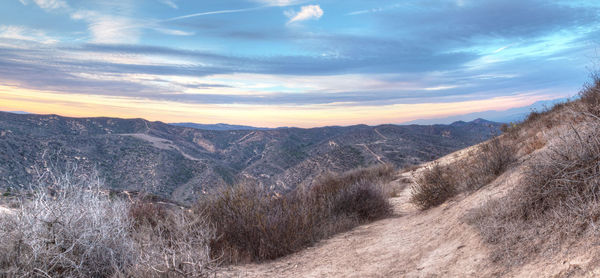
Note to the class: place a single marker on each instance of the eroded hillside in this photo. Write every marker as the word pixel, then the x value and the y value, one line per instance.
pixel 181 163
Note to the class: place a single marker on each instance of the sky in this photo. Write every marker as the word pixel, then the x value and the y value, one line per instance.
pixel 273 63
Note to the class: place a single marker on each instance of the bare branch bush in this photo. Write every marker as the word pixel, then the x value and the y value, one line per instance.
pixel 66 226
pixel 170 242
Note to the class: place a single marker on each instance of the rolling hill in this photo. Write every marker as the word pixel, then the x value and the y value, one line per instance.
pixel 181 163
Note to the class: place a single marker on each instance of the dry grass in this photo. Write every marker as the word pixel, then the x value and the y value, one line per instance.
pixel 590 96
pixel 253 224
pixel 557 201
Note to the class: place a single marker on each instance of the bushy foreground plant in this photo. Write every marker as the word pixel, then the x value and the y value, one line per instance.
pixel 68 226
pixel 434 185
pixel 253 224
pixel 170 242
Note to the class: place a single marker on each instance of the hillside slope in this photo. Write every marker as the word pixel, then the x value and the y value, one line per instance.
pixel 180 163
pixel 413 243
pixel 537 218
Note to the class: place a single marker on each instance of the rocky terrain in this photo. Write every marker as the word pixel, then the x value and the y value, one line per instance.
pixel 181 162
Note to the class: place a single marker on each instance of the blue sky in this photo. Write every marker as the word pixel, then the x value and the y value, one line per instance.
pixel 291 63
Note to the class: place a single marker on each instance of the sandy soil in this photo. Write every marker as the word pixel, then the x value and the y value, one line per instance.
pixel 408 244
pixel 4 210
pixel 412 243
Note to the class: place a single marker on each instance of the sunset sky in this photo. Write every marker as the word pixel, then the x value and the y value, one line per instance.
pixel 292 63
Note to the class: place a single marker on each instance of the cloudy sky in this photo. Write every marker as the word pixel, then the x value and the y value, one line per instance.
pixel 292 62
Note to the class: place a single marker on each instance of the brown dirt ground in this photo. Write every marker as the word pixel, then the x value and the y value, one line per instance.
pixel 413 243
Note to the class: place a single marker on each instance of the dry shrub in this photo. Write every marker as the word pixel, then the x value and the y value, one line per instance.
pixel 492 159
pixel 495 156
pixel 440 182
pixel 253 224
pixel 145 213
pixel 67 225
pixel 409 168
pixel 435 185
pixel 362 193
pixel 68 228
pixel 590 96
pixel 379 173
pixel 534 144
pixel 558 199
pixel 170 242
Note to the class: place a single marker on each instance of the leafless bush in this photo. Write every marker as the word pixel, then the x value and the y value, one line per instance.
pixel 67 225
pixel 558 198
pixel 171 243
pixel 434 186
pixel 66 228
pixel 253 224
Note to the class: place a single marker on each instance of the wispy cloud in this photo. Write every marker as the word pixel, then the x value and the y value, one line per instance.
pixel 306 13
pixel 47 4
pixel 374 10
pixel 25 34
pixel 280 3
pixel 169 3
pixel 503 48
pixel 212 13
pixel 440 88
pixel 173 32
pixel 109 28
pixel 247 53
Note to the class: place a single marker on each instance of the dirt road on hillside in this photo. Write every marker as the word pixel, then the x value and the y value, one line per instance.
pixel 408 244
pixel 413 243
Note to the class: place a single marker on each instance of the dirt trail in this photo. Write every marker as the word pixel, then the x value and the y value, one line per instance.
pixel 382 136
pixel 408 244
pixel 161 143
pixel 373 153
pixel 412 243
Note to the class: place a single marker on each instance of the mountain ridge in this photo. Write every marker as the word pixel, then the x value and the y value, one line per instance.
pixel 182 163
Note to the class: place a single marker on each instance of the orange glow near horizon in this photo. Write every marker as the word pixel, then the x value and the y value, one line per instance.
pixel 79 105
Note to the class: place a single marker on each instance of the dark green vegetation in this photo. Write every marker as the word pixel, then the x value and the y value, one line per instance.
pixel 180 163
pixel 253 224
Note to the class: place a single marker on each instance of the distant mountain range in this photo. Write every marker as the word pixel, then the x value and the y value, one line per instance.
pixel 218 126
pixel 506 116
pixel 181 163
